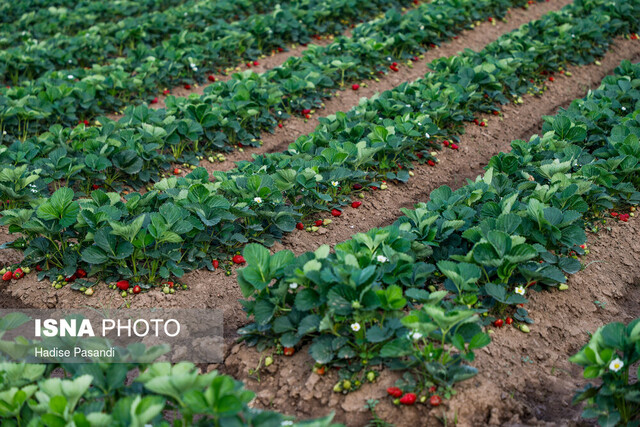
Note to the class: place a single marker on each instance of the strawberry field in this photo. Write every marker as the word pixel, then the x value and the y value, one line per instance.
pixel 410 213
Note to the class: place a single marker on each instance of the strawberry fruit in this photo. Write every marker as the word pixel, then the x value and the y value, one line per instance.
pixel 7 276
pixel 123 285
pixel 289 351
pixel 355 86
pixel 356 205
pixel 300 226
pixel 238 259
pixel 435 400
pixel 408 399
pixel 137 289
pixel 394 392
pixel 336 212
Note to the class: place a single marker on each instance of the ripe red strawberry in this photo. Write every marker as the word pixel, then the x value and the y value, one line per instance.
pixel 395 64
pixel 336 212
pixel 319 222
pixel 355 86
pixel 415 59
pixel 498 323
pixel 154 100
pixel 431 162
pixel 280 125
pixel 176 171
pixel 18 273
pixel 81 273
pixel 483 123
pixel 288 351
pixel 490 19
pixel 86 122
pixel 445 143
pixel 38 268
pixel 432 389
pixel 551 79
pixel 454 146
pixel 508 320
pixel 280 49
pixel 248 64
pixel 614 214
pixel 300 226
pixel 394 392
pixel 256 63
pixel 211 78
pixel 165 92
pixel 435 400
pixel 419 155
pixel 374 187
pixel 238 259
pixel 357 186
pixel 356 205
pixel 307 116
pixel 408 399
pixel 393 68
pixel 137 289
pixel 306 111
pixel 496 112
pixel 71 278
pixel 123 285
pixel 215 263
pixel 187 86
pixel 624 217
pixel 7 276
pixel 476 121
pixel 416 2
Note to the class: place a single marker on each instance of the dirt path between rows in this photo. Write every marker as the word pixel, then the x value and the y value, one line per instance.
pixel 475 39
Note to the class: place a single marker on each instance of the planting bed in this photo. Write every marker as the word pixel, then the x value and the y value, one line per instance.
pixel 522 378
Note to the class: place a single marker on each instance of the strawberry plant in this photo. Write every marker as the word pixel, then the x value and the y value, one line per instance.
pixel 609 355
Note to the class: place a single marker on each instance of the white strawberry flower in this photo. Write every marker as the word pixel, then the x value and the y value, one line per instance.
pixel 426 135
pixel 382 259
pixel 520 290
pixel 416 335
pixel 258 200
pixel 293 286
pixel 335 183
pixel 624 109
pixel 355 327
pixel 70 77
pixel 616 364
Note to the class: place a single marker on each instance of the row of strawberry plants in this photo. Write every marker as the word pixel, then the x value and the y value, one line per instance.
pixel 137 24
pixel 209 42
pixel 298 85
pixel 41 19
pixel 478 249
pixel 123 393
pixel 186 222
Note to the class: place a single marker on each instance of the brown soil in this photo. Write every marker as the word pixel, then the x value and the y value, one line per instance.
pixel 510 389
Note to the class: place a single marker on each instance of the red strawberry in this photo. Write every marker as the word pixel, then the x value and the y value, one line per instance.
pixel 394 392
pixel 238 259
pixel 288 351
pixel 357 186
pixel 18 273
pixel 476 121
pixel 419 155
pixel 215 263
pixel 137 289
pixel 280 125
pixel 165 92
pixel 432 389
pixel 280 49
pixel 490 19
pixel 336 212
pixel 211 78
pixel 408 399
pixel 356 205
pixel 416 2
pixel 306 111
pixel 176 171
pixel 454 146
pixel 38 268
pixel 431 163
pixel 154 100
pixel 319 222
pixel 95 186
pixel 614 214
pixel 71 278
pixel 300 226
pixel 551 79
pixel 81 273
pixel 355 86
pixel 248 64
pixel 321 370
pixel 483 124
pixel 7 276
pixel 307 116
pixel 394 68
pixel 435 400
pixel 86 122
pixel 445 143
pixel 508 320
pixel 394 64
pixel 123 285
pixel 374 188
pixel 498 323
pixel 624 217
pixel 187 86
pixel 496 112
pixel 256 63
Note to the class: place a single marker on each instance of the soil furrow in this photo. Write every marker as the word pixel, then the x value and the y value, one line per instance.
pixel 475 39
